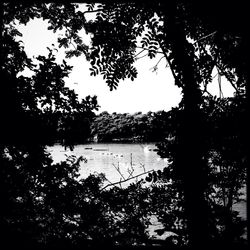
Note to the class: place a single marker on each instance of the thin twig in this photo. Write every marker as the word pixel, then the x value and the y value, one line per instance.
pixel 68 35
pixel 118 170
pixel 107 179
pixel 155 66
pixel 204 37
pixel 166 56
pixel 130 172
pixel 143 166
pixel 128 179
pixel 220 89
pixel 160 60
pixel 139 53
pixel 206 91
pixel 141 57
pixel 220 70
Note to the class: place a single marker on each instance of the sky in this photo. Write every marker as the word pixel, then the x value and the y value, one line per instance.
pixel 150 91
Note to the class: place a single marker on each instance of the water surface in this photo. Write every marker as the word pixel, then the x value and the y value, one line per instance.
pixel 116 160
pixel 119 161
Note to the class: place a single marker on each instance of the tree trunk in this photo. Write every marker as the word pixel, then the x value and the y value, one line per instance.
pixel 190 166
pixel 247 126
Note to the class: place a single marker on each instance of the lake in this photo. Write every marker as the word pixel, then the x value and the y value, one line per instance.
pixel 119 161
pixel 116 160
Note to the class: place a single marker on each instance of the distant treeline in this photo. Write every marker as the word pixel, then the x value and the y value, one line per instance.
pixel 105 127
pixel 127 127
pixel 116 127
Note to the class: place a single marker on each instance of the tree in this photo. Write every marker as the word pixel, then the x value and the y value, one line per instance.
pixel 167 27
pixel 34 190
pixel 160 26
pixel 226 173
pixel 182 34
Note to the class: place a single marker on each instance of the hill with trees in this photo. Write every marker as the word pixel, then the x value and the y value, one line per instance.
pixel 137 127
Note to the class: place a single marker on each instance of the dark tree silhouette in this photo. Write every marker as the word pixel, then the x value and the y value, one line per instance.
pixel 115 31
pixel 192 40
pixel 137 127
pixel 34 190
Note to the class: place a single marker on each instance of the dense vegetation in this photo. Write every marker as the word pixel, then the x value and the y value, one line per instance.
pixel 105 127
pixel 137 127
pixel 226 165
pixel 46 204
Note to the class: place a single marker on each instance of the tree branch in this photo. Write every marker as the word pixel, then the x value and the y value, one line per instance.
pixel 171 68
pixel 154 68
pixel 139 53
pixel 141 57
pixel 130 172
pixel 118 170
pixel 91 11
pixel 166 56
pixel 224 73
pixel 204 37
pixel 128 179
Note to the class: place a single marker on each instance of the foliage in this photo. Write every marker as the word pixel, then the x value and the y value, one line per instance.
pixel 44 201
pixel 226 166
pixel 33 191
pixel 47 204
pixel 41 101
pixel 130 127
pixel 192 49
pixel 35 111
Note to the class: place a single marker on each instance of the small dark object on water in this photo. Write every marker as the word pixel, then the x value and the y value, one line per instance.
pixel 88 148
pixel 153 149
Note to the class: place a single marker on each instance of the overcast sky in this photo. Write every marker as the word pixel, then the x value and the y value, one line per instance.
pixel 150 91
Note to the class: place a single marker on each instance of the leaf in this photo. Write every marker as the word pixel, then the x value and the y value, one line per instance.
pixel 155 177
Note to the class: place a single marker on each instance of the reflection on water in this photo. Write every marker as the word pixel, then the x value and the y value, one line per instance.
pixel 129 159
